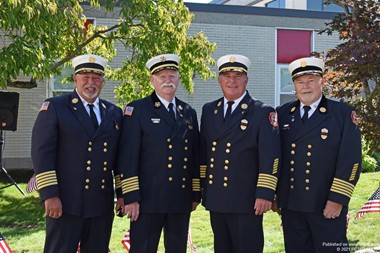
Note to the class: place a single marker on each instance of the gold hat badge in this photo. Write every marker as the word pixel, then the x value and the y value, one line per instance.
pixel 163 58
pixel 303 64
pixel 232 59
pixel 91 59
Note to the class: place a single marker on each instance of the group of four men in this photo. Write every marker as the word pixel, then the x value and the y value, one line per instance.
pixel 242 163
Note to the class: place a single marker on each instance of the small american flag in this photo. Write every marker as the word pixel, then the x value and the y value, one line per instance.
pixel 128 110
pixel 126 241
pixel 44 106
pixel 32 184
pixel 372 205
pixel 4 248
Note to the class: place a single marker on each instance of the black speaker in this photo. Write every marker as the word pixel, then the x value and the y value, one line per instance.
pixel 8 110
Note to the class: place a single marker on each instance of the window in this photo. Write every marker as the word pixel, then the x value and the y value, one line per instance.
pixel 291 45
pixel 57 87
pixel 320 6
pixel 276 4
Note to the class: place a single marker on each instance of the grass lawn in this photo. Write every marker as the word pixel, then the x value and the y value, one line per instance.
pixel 22 223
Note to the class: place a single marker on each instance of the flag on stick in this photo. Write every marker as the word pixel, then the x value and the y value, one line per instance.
pixel 32 184
pixel 372 205
pixel 190 242
pixel 4 248
pixel 126 241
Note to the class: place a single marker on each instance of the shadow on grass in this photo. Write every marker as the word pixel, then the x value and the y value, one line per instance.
pixel 20 215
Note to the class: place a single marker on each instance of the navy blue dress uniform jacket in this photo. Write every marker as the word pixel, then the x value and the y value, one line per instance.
pixel 321 159
pixel 158 156
pixel 239 157
pixel 71 160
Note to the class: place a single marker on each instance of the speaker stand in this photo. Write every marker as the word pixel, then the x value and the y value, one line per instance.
pixel 3 169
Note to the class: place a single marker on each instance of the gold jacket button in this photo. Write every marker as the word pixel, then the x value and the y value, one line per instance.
pixel 87 187
pixel 225 184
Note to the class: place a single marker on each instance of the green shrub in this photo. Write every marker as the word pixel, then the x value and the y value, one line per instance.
pixel 369 163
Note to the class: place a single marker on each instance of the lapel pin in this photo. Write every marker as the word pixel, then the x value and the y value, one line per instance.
pixel 74 100
pixel 157 104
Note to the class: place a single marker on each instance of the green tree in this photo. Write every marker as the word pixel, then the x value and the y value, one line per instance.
pixel 354 64
pixel 40 37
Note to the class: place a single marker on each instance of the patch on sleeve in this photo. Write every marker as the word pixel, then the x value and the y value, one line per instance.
pixel 354 118
pixel 273 119
pixel 128 110
pixel 45 106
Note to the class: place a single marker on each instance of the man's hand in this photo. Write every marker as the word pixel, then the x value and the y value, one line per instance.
pixel 132 211
pixel 332 210
pixel 53 207
pixel 119 208
pixel 195 204
pixel 275 207
pixel 262 206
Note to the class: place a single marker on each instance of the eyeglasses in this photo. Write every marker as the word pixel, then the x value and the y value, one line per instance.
pixel 233 76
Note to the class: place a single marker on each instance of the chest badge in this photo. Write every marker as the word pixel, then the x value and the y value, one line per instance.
pixel 243 124
pixel 324 133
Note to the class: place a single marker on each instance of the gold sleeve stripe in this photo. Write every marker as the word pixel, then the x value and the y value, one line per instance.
pixel 196 184
pixel 354 170
pixel 275 166
pixel 203 171
pixel 46 179
pixel 342 187
pixel 267 181
pixel 117 181
pixel 130 184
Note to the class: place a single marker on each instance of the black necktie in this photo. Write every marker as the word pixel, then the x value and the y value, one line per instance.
pixel 229 109
pixel 93 116
pixel 171 111
pixel 305 116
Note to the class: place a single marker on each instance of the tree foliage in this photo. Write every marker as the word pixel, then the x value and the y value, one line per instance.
pixel 40 37
pixel 354 64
